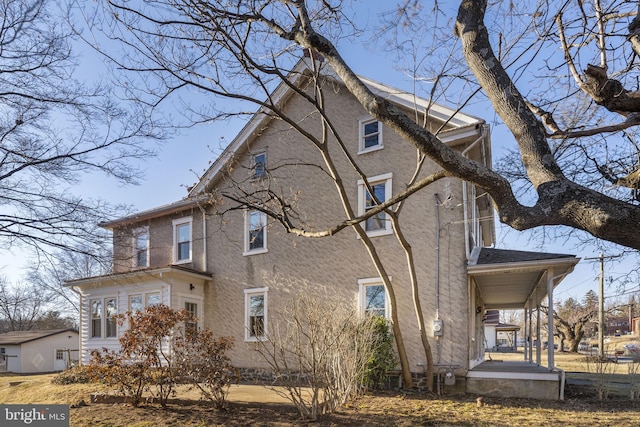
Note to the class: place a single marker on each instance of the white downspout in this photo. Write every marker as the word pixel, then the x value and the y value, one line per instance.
pixel 205 267
pixel 81 325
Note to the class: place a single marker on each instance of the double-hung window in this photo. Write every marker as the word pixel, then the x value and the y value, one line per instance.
pixel 373 297
pixel 103 322
pixel 255 232
pixel 111 309
pixel 192 325
pixel 259 165
pixel 182 240
pixel 381 191
pixel 141 247
pixel 136 303
pixel 255 306
pixel 96 318
pixel 369 135
pixel 154 299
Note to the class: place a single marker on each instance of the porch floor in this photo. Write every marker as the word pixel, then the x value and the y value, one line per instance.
pixel 515 379
pixel 511 366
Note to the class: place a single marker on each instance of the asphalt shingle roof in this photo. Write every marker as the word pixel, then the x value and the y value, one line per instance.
pixel 500 256
pixel 21 337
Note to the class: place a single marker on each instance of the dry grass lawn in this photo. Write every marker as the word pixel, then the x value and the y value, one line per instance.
pixel 257 406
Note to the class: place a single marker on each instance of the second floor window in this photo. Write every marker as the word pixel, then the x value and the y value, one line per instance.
pixel 141 248
pixel 255 232
pixel 182 240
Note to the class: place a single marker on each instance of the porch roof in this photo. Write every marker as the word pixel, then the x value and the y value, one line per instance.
pixel 510 279
pixel 140 275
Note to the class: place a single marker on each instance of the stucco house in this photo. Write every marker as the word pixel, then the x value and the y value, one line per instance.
pixel 234 266
pixel 27 352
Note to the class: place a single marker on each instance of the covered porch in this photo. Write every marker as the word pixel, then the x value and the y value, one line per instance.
pixel 513 280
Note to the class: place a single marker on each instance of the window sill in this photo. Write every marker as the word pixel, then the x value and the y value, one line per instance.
pixel 255 252
pixel 370 149
pixel 183 261
pixel 255 339
pixel 376 233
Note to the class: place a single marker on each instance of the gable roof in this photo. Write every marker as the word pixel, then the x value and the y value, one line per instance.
pixel 463 124
pixel 21 337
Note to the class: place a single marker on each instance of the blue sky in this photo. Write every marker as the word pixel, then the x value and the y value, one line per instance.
pixel 180 161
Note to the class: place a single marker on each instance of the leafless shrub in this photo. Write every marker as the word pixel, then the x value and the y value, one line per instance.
pixel 318 350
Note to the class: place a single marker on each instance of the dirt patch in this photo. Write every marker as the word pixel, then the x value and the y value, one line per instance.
pixel 380 409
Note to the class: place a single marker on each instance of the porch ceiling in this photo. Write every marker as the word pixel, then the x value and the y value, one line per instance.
pixel 509 279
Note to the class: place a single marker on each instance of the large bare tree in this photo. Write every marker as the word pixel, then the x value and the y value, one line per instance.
pixel 54 129
pixel 226 44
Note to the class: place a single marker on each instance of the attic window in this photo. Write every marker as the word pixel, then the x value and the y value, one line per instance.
pixel 380 223
pixel 370 135
pixel 259 165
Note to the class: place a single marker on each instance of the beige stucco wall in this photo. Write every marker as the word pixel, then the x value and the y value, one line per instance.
pixel 297 264
pixel 331 265
pixel 160 242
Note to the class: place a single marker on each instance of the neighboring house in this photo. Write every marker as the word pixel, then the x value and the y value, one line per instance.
pixel 27 352
pixel 235 268
pixel 501 337
pixel 616 326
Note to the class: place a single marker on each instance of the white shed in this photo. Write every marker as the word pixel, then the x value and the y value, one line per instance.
pixel 38 351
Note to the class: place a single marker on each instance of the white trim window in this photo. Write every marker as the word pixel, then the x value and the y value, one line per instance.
pixel 136 303
pixel 373 298
pixel 182 247
pixel 255 232
pixel 141 247
pixel 154 299
pixel 380 223
pixel 191 307
pixel 95 305
pixel 369 135
pixel 111 325
pixel 259 165
pixel 103 323
pixel 255 314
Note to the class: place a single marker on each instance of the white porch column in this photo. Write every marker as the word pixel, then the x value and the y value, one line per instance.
pixel 550 277
pixel 526 331
pixel 538 342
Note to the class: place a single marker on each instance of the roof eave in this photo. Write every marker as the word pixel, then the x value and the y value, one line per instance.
pixel 521 265
pixel 137 274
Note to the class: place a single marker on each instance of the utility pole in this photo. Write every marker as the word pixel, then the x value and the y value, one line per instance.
pixel 601 258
